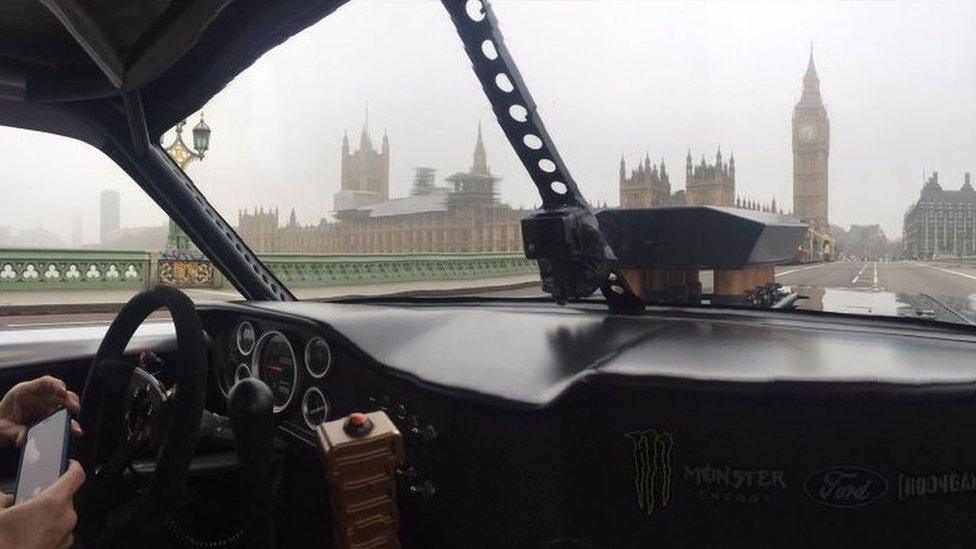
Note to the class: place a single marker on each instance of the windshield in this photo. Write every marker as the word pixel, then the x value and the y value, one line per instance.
pixel 361 157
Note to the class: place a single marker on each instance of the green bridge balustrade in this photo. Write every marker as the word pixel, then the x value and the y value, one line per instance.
pixel 37 269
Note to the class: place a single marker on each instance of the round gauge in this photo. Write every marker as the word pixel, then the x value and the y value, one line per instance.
pixel 245 338
pixel 315 409
pixel 275 364
pixel 243 371
pixel 318 357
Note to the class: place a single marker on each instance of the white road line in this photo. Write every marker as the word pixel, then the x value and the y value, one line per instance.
pixel 875 274
pixel 950 272
pixel 791 271
pixel 858 275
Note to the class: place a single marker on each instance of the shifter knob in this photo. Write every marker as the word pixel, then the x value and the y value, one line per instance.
pixel 250 405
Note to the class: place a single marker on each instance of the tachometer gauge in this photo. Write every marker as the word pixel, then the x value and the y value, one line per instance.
pixel 245 338
pixel 275 364
pixel 318 357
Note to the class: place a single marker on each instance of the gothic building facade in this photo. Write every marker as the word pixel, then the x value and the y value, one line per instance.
pixel 941 222
pixel 710 184
pixel 811 148
pixel 463 216
pixel 646 186
pixel 649 185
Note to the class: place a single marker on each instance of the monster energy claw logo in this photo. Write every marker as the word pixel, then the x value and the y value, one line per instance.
pixel 652 468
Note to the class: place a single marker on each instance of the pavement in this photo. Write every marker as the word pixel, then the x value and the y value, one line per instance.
pixel 942 290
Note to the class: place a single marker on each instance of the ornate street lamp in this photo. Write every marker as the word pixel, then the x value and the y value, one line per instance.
pixel 183 155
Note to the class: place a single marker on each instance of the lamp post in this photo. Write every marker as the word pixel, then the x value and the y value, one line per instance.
pixel 183 155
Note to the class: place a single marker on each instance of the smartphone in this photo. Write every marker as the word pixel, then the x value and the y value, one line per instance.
pixel 44 457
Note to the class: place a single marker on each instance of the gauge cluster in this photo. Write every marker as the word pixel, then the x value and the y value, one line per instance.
pixel 295 363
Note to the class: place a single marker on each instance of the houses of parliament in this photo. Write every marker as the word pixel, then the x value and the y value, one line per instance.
pixel 708 184
pixel 463 216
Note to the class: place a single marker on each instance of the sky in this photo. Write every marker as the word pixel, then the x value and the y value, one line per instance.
pixel 610 78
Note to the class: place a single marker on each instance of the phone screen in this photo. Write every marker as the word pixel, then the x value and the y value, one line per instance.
pixel 42 460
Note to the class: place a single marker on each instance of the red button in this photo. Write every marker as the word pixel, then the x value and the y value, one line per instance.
pixel 357 419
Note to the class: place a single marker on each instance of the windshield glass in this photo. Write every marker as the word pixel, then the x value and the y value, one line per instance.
pixel 368 135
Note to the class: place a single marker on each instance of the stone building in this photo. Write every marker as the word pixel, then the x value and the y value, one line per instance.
pixel 941 222
pixel 811 147
pixel 365 175
pixel 710 184
pixel 646 186
pixel 464 216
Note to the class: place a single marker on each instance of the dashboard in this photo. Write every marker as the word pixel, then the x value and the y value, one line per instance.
pixel 525 423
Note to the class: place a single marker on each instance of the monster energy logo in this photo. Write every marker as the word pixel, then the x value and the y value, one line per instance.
pixel 652 468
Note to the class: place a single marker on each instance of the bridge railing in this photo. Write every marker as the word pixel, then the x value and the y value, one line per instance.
pixel 25 269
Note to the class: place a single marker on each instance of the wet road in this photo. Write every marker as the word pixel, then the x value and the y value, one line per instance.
pixel 942 290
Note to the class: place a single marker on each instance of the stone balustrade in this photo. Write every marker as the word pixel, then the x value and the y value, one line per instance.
pixel 26 269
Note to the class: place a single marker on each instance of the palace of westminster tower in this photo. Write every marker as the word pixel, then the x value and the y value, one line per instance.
pixel 714 184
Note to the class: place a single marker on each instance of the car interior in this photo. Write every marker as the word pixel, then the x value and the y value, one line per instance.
pixel 565 422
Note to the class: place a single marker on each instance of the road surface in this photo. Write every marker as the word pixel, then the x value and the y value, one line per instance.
pixel 944 291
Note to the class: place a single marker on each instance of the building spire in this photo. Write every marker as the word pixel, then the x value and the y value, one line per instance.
pixel 480 164
pixel 364 139
pixel 811 82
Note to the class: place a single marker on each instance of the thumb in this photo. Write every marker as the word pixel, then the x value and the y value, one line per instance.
pixel 6 500
pixel 66 486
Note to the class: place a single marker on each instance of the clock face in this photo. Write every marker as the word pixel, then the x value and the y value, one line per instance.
pixel 808 133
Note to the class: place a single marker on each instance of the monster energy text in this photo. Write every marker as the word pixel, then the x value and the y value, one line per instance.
pixel 731 485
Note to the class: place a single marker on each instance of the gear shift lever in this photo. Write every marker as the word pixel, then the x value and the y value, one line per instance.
pixel 250 405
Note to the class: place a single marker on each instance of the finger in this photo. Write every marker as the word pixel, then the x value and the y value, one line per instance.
pixel 9 433
pixel 67 542
pixel 72 402
pixel 66 486
pixel 6 500
pixel 45 385
pixel 76 429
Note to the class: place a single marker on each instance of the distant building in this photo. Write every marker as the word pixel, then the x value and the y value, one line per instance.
pixel 941 222
pixel 710 184
pixel 646 186
pixel 811 147
pixel 463 217
pixel 110 215
pixel 365 175
pixel 862 242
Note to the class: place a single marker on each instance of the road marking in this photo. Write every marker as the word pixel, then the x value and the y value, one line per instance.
pixel 791 271
pixel 875 274
pixel 858 275
pixel 971 277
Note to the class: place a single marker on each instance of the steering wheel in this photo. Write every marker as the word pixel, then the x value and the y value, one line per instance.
pixel 170 416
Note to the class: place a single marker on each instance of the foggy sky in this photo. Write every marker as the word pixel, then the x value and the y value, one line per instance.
pixel 609 77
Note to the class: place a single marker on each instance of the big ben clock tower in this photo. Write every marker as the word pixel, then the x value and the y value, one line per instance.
pixel 811 146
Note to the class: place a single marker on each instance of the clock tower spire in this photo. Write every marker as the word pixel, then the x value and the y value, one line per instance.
pixel 811 147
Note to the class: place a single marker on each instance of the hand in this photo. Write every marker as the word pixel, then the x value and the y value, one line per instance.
pixel 30 401
pixel 45 522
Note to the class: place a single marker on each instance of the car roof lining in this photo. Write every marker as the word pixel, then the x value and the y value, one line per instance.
pixel 176 53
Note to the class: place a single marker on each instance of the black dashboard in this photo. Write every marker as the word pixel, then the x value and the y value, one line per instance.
pixel 527 421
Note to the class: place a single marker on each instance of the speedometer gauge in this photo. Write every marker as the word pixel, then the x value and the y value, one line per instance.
pixel 275 365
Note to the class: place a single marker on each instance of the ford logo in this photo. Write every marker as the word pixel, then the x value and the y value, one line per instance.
pixel 845 486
